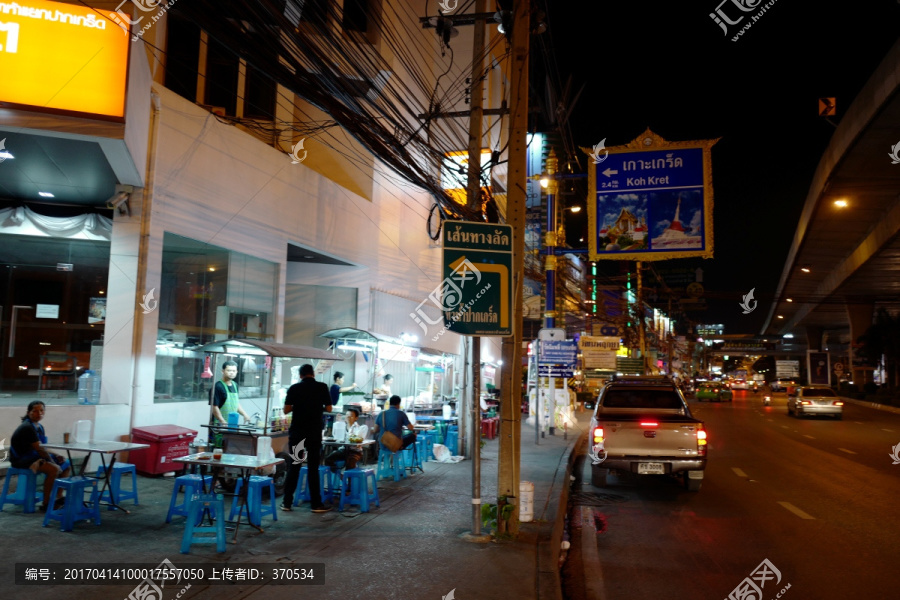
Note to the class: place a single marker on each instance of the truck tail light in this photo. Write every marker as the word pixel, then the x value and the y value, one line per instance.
pixel 649 424
pixel 598 435
pixel 701 442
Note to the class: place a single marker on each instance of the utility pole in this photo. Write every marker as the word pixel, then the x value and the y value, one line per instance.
pixel 511 402
pixel 640 315
pixel 474 203
pixel 550 242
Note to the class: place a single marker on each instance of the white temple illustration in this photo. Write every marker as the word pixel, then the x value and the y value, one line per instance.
pixel 675 235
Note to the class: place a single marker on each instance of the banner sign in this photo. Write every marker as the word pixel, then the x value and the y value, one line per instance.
pixel 561 352
pixel 62 57
pixel 819 372
pixel 653 200
pixel 476 293
pixel 599 352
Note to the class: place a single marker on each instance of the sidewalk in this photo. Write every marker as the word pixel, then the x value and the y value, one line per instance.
pixel 409 547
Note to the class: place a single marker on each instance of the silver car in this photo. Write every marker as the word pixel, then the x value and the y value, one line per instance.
pixel 815 400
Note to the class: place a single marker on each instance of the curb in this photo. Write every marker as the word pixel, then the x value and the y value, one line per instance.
pixel 590 555
pixel 550 538
pixel 874 405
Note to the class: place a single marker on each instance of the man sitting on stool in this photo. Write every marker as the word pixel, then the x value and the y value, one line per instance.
pixel 393 420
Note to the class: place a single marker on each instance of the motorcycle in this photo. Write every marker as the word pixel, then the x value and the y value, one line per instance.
pixel 767 401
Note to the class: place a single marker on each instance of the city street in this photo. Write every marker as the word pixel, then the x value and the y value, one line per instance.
pixel 813 496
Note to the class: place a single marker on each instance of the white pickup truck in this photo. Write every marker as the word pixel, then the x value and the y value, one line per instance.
pixel 643 425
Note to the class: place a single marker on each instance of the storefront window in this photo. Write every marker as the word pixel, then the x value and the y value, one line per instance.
pixel 207 294
pixel 53 299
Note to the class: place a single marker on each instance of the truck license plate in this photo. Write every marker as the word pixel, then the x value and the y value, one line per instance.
pixel 651 469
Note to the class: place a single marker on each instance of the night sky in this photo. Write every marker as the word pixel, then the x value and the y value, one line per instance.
pixel 668 66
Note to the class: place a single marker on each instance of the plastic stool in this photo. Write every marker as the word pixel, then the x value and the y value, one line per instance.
pixel 26 489
pixel 255 507
pixel 115 494
pixel 192 484
pixel 413 455
pixel 422 444
pixel 325 488
pixel 451 440
pixel 74 508
pixel 386 458
pixel 357 482
pixel 197 504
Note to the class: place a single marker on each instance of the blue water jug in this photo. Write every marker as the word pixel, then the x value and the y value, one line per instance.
pixel 234 419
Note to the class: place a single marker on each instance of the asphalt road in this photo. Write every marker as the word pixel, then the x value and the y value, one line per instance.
pixel 817 498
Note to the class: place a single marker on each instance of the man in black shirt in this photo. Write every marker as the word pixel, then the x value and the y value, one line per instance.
pixel 307 400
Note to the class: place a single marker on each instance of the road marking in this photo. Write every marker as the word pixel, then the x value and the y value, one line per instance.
pixel 796 510
pixel 859 422
pixel 808 436
pixel 888 430
pixel 785 427
pixel 738 472
pixel 847 451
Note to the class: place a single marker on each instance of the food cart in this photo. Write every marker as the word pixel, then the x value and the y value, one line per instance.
pixel 265 372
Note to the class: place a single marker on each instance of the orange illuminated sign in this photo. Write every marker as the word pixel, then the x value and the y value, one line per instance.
pixel 62 57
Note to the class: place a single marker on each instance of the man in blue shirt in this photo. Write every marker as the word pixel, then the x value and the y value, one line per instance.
pixel 393 420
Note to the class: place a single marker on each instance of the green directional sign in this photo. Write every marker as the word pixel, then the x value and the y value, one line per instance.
pixel 476 292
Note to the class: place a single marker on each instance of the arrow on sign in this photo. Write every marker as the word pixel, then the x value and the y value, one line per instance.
pixel 504 283
pixel 609 172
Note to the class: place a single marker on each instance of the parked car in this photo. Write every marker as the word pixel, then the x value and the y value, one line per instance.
pixel 815 400
pixel 642 425
pixel 713 392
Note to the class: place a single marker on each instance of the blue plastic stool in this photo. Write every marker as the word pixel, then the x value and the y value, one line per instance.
pixel 412 456
pixel 255 507
pixel 451 440
pixel 357 482
pixel 115 493
pixel 422 451
pixel 197 504
pixel 26 489
pixel 428 439
pixel 192 484
pixel 324 485
pixel 74 508
pixel 385 458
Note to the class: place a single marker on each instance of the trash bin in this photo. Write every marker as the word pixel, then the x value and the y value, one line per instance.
pixel 166 442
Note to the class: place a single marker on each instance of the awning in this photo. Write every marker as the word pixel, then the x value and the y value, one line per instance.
pixel 350 333
pixel 260 348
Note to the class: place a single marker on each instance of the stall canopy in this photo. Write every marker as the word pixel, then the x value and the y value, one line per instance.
pixel 349 336
pixel 257 347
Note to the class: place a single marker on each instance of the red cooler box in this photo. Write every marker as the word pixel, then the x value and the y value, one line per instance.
pixel 166 442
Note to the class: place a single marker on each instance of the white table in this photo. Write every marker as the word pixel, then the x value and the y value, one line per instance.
pixel 244 463
pixel 102 448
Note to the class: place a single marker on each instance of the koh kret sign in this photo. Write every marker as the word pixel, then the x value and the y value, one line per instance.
pixel 651 199
pixel 476 296
pixel 62 57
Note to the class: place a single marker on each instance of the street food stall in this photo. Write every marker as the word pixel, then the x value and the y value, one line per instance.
pixel 265 372
pixel 383 355
pixel 434 380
